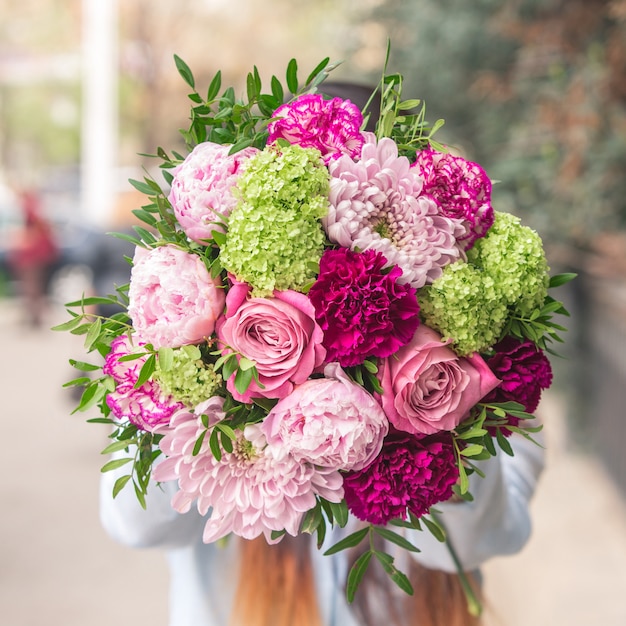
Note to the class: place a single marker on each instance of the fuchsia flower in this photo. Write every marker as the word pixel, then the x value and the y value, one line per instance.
pixel 173 300
pixel 330 126
pixel 249 491
pixel 410 474
pixel 363 310
pixel 428 388
pixel 461 189
pixel 202 188
pixel 279 334
pixel 147 406
pixel 524 370
pixel 330 422
pixel 377 204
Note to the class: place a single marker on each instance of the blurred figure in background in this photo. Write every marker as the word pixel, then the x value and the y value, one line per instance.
pixel 32 253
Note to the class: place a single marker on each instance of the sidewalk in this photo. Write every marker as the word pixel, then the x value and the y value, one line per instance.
pixel 58 567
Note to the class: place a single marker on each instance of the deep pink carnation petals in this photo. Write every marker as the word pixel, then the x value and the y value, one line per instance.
pixel 461 189
pixel 361 307
pixel 311 121
pixel 525 372
pixel 410 474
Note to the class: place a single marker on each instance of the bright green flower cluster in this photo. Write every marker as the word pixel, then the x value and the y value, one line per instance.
pixel 274 234
pixel 506 274
pixel 186 377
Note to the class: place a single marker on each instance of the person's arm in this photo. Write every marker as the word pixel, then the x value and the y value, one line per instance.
pixel 497 521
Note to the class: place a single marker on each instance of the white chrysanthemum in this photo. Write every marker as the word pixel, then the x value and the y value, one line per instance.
pixel 376 203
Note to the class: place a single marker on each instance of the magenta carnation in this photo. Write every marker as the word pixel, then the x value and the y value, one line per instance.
pixel 362 309
pixel 330 126
pixel 147 406
pixel 524 371
pixel 410 474
pixel 461 189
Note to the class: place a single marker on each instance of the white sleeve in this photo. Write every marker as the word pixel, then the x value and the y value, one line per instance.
pixel 158 525
pixel 497 521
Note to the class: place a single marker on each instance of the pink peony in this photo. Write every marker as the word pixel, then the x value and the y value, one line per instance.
pixel 428 388
pixel 377 204
pixel 202 189
pixel 461 189
pixel 248 492
pixel 362 309
pixel 330 126
pixel 279 334
pixel 173 300
pixel 331 422
pixel 410 474
pixel 147 406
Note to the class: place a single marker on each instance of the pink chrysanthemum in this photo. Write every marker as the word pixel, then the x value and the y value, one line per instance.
pixel 202 189
pixel 377 204
pixel 363 310
pixel 330 126
pixel 147 406
pixel 410 474
pixel 461 189
pixel 248 492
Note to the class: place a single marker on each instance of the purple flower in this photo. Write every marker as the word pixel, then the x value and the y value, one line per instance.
pixel 362 309
pixel 330 126
pixel 461 189
pixel 524 371
pixel 410 474
pixel 147 406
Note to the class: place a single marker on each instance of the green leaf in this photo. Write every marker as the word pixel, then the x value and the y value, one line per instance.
pixel 319 68
pixel 356 574
pixel 243 378
pixel 214 444
pixel 70 324
pixel 348 542
pixel 198 445
pixel 184 71
pixel 435 529
pixel 503 442
pixel 215 86
pixel 312 519
pixel 400 579
pixel 141 186
pixel 394 537
pixel 84 367
pixel 147 369
pixel 120 483
pixel 117 446
pixel 230 365
pixel 340 512
pixel 472 450
pixel 560 279
pixel 93 333
pixel 114 464
pixel 227 430
pixel 292 76
pixel 166 358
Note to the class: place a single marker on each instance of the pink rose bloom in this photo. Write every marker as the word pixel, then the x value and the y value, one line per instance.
pixel 331 422
pixel 202 189
pixel 331 126
pixel 279 334
pixel 173 301
pixel 427 388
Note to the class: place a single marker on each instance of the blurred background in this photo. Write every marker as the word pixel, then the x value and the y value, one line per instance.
pixel 534 90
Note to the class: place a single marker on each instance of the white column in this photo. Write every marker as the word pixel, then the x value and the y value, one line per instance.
pixel 99 110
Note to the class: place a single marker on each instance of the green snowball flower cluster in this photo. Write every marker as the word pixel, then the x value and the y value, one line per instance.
pixel 275 236
pixel 186 377
pixel 506 274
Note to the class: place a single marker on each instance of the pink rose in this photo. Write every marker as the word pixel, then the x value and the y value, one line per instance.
pixel 278 333
pixel 173 301
pixel 427 388
pixel 202 188
pixel 330 422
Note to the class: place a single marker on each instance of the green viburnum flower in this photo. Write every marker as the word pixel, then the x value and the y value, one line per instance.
pixel 506 274
pixel 185 376
pixel 274 233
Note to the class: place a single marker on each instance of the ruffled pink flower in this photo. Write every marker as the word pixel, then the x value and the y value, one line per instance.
pixel 377 204
pixel 147 406
pixel 279 334
pixel 202 189
pixel 363 310
pixel 173 300
pixel 427 388
pixel 410 474
pixel 248 492
pixel 461 189
pixel 331 422
pixel 331 126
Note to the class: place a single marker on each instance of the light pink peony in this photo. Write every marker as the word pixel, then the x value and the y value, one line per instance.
pixel 248 492
pixel 428 388
pixel 377 204
pixel 202 188
pixel 279 334
pixel 331 422
pixel 173 300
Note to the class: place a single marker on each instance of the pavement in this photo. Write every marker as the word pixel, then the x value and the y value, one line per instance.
pixel 58 568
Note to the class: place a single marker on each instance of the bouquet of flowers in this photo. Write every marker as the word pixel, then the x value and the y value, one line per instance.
pixel 320 321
